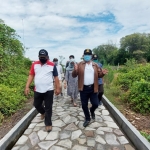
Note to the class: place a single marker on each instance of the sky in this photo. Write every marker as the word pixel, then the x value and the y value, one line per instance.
pixel 67 27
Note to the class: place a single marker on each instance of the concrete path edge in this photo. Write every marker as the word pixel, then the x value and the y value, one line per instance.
pixel 13 135
pixel 129 130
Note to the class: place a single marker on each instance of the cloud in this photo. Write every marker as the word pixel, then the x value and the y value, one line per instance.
pixel 68 27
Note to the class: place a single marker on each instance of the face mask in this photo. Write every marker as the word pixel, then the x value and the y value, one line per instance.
pixel 87 57
pixel 56 63
pixel 43 60
pixel 96 61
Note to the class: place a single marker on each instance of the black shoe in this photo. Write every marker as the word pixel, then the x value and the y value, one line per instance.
pixel 92 115
pixel 86 123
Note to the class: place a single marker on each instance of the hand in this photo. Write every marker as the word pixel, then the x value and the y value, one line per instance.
pixel 27 90
pixel 105 71
pixel 65 86
pixel 57 91
pixel 75 67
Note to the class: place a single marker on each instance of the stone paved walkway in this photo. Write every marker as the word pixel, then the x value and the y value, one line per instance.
pixel 68 132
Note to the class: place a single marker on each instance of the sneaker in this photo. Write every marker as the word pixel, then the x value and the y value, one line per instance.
pixel 86 123
pixel 42 116
pixel 48 128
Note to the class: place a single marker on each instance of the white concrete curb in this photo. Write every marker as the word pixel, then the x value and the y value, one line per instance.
pixel 129 130
pixel 12 136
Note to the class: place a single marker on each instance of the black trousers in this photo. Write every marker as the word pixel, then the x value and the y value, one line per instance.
pixel 85 95
pixel 48 102
pixel 100 92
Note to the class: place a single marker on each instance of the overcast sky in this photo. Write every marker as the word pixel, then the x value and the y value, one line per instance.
pixel 65 27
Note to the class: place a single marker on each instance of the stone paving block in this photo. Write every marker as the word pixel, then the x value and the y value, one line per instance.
pixel 15 148
pixel 42 135
pixel 22 140
pixel 57 148
pixel 100 139
pixel 89 133
pixel 91 142
pixel 64 134
pixel 118 132
pixel 111 139
pixel 76 134
pixel 32 125
pixel 78 147
pixel 34 138
pixel 53 135
pixel 81 140
pixel 123 140
pixel 65 143
pixel 58 123
pixel 45 145
pixel 128 147
pixel 105 112
pixel 28 131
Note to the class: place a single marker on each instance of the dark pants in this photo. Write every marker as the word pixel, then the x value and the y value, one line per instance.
pixel 100 92
pixel 86 94
pixel 48 102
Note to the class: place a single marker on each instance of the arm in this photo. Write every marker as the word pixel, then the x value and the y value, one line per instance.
pixel 29 81
pixel 57 85
pixel 101 72
pixel 75 71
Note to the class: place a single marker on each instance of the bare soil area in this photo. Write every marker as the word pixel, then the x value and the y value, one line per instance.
pixel 11 121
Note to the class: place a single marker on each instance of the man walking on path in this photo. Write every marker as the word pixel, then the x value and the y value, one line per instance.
pixel 42 72
pixel 60 71
pixel 88 73
pixel 100 81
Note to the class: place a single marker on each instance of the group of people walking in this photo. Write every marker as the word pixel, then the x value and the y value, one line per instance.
pixel 84 78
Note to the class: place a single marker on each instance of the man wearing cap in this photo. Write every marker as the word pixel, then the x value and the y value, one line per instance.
pixel 42 72
pixel 100 80
pixel 60 71
pixel 88 73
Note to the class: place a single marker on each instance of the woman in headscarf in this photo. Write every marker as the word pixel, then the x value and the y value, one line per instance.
pixel 72 83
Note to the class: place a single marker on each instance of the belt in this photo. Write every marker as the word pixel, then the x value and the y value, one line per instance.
pixel 89 85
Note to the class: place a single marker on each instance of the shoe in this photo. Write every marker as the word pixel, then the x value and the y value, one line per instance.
pixel 48 128
pixel 74 104
pixel 42 116
pixel 100 103
pixel 92 115
pixel 86 123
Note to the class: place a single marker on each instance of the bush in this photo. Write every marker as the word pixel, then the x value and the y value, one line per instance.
pixel 136 87
pixel 139 96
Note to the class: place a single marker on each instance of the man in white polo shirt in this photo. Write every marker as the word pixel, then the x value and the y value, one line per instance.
pixel 42 72
pixel 88 73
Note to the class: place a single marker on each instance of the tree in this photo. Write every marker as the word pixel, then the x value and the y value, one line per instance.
pixel 136 44
pixel 11 49
pixel 106 53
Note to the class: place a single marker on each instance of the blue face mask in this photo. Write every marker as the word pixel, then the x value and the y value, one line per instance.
pixel 87 57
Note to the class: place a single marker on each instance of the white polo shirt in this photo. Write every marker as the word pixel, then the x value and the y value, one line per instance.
pixel 43 76
pixel 89 74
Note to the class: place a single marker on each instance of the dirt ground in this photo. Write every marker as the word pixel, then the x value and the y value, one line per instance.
pixel 140 122
pixel 11 121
